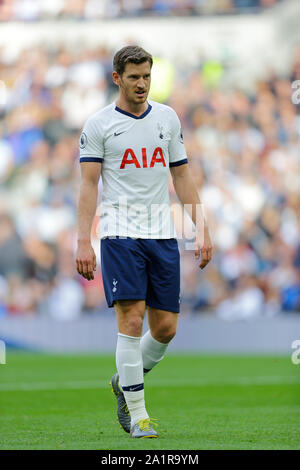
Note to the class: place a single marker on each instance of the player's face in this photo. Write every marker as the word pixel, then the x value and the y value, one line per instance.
pixel 135 82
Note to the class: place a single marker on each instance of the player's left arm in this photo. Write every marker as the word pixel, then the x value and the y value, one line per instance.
pixel 186 189
pixel 188 195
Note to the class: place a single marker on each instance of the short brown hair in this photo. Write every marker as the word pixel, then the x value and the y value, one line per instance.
pixel 133 54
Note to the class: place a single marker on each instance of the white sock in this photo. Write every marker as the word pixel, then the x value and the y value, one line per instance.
pixel 152 351
pixel 130 368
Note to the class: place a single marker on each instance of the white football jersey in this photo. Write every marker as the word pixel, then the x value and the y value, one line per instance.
pixel 136 153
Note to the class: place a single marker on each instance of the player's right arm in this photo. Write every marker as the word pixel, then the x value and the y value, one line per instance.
pixel 91 157
pixel 85 255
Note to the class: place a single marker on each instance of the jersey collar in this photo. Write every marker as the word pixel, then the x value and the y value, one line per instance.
pixel 132 115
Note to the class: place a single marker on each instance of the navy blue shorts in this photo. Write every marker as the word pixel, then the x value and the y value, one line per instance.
pixel 141 269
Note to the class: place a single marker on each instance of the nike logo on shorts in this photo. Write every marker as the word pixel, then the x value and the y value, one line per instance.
pixel 118 133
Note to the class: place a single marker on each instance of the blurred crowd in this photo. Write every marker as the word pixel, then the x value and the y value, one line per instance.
pixel 244 152
pixel 31 10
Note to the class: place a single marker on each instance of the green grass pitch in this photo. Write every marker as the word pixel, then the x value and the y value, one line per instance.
pixel 201 402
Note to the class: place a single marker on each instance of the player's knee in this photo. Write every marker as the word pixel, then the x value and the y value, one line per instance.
pixel 165 333
pixel 134 324
pixel 130 317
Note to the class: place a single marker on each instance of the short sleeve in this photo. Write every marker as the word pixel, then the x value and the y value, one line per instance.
pixel 177 152
pixel 91 143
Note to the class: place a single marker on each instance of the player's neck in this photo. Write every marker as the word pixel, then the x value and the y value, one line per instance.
pixel 133 108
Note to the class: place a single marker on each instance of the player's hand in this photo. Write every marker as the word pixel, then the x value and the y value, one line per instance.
pixel 204 246
pixel 86 260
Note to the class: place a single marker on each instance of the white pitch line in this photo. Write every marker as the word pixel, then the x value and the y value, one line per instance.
pixel 201 382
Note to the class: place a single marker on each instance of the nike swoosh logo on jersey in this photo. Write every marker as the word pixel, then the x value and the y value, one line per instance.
pixel 118 133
